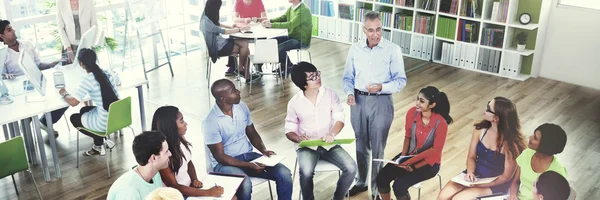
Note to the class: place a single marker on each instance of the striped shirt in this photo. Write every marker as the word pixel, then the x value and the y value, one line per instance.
pixel 97 118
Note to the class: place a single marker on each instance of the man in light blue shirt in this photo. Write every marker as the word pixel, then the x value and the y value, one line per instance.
pixel 230 136
pixel 374 71
pixel 152 154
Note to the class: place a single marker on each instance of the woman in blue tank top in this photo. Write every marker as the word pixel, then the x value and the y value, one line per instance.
pixel 495 144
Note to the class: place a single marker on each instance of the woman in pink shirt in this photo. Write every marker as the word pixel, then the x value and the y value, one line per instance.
pixel 246 11
pixel 316 113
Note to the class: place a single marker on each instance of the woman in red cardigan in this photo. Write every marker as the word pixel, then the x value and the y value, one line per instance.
pixel 426 129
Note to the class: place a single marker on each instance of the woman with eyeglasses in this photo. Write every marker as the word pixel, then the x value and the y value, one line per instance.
pixel 426 129
pixel 495 144
pixel 316 113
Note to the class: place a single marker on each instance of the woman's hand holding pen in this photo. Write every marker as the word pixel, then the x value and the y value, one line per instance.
pixel 216 191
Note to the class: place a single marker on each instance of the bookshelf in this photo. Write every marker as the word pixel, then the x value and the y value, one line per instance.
pixel 476 35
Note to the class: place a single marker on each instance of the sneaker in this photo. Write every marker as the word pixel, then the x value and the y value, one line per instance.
pixel 109 144
pixel 96 150
pixel 43 127
pixel 357 189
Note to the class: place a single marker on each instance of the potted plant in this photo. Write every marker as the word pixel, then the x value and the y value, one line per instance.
pixel 521 39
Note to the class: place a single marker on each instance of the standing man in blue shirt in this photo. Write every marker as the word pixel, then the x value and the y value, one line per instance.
pixel 374 71
pixel 230 135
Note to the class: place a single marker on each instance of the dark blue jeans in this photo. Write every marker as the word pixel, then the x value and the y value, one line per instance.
pixel 279 173
pixel 403 179
pixel 285 43
pixel 56 115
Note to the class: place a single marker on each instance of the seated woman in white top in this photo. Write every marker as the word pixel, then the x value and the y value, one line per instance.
pixel 181 173
pixel 101 86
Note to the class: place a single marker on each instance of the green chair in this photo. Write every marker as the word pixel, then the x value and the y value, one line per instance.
pixel 14 160
pixel 119 117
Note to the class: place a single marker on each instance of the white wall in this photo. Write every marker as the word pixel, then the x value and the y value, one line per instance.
pixel 572 46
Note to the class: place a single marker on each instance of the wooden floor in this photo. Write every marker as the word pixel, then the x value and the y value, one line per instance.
pixel 539 100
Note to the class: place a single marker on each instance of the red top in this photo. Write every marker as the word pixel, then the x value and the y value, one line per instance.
pixel 432 155
pixel 248 11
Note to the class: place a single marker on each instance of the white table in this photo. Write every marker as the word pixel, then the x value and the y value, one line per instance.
pixel 260 32
pixel 20 109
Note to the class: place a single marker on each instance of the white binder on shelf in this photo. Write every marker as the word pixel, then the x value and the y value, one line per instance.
pixel 346 31
pixel 322 28
pixel 424 45
pixel 339 31
pixel 463 53
pixel 331 28
pixel 456 56
pixel 515 68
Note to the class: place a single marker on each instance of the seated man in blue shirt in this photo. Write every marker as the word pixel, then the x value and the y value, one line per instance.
pixel 11 64
pixel 230 136
pixel 151 152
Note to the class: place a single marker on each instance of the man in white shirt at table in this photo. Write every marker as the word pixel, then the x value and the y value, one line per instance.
pixel 374 71
pixel 11 64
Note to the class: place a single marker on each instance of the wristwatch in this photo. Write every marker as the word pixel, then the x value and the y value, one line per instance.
pixel 65 94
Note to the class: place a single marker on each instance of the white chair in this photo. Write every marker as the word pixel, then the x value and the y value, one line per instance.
pixel 299 55
pixel 265 54
pixel 418 186
pixel 255 180
pixel 322 166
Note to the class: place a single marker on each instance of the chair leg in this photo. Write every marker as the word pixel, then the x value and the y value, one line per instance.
pixel 132 131
pixel 270 190
pixel 419 197
pixel 440 180
pixel 309 56
pixel 35 184
pixel 15 183
pixel 67 123
pixel 108 160
pixel 77 152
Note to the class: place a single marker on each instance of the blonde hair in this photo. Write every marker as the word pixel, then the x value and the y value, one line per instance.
pixel 165 193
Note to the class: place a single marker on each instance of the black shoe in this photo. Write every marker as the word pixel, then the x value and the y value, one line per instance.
pixel 357 189
pixel 255 78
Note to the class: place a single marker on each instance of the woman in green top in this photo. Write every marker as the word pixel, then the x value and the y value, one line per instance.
pixel 546 141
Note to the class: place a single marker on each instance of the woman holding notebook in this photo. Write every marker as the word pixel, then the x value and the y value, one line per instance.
pixel 181 173
pixel 426 129
pixel 495 144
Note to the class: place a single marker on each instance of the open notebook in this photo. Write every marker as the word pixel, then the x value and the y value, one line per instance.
pixel 229 182
pixel 460 179
pixel 269 161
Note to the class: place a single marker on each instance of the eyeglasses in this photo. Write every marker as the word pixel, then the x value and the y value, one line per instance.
pixel 372 30
pixel 314 76
pixel 489 109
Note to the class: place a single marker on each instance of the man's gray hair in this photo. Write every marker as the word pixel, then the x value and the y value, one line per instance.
pixel 372 15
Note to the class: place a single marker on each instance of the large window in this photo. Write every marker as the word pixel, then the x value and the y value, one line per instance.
pixel 590 4
pixel 35 21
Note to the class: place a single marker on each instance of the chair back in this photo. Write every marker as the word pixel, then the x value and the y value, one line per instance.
pixel 13 157
pixel 119 115
pixel 100 40
pixel 266 52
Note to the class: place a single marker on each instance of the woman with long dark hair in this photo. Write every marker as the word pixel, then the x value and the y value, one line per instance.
pixel 219 46
pixel 100 85
pixel 181 173
pixel 426 129
pixel 495 144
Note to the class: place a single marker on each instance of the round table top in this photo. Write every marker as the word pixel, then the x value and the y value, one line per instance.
pixel 258 31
